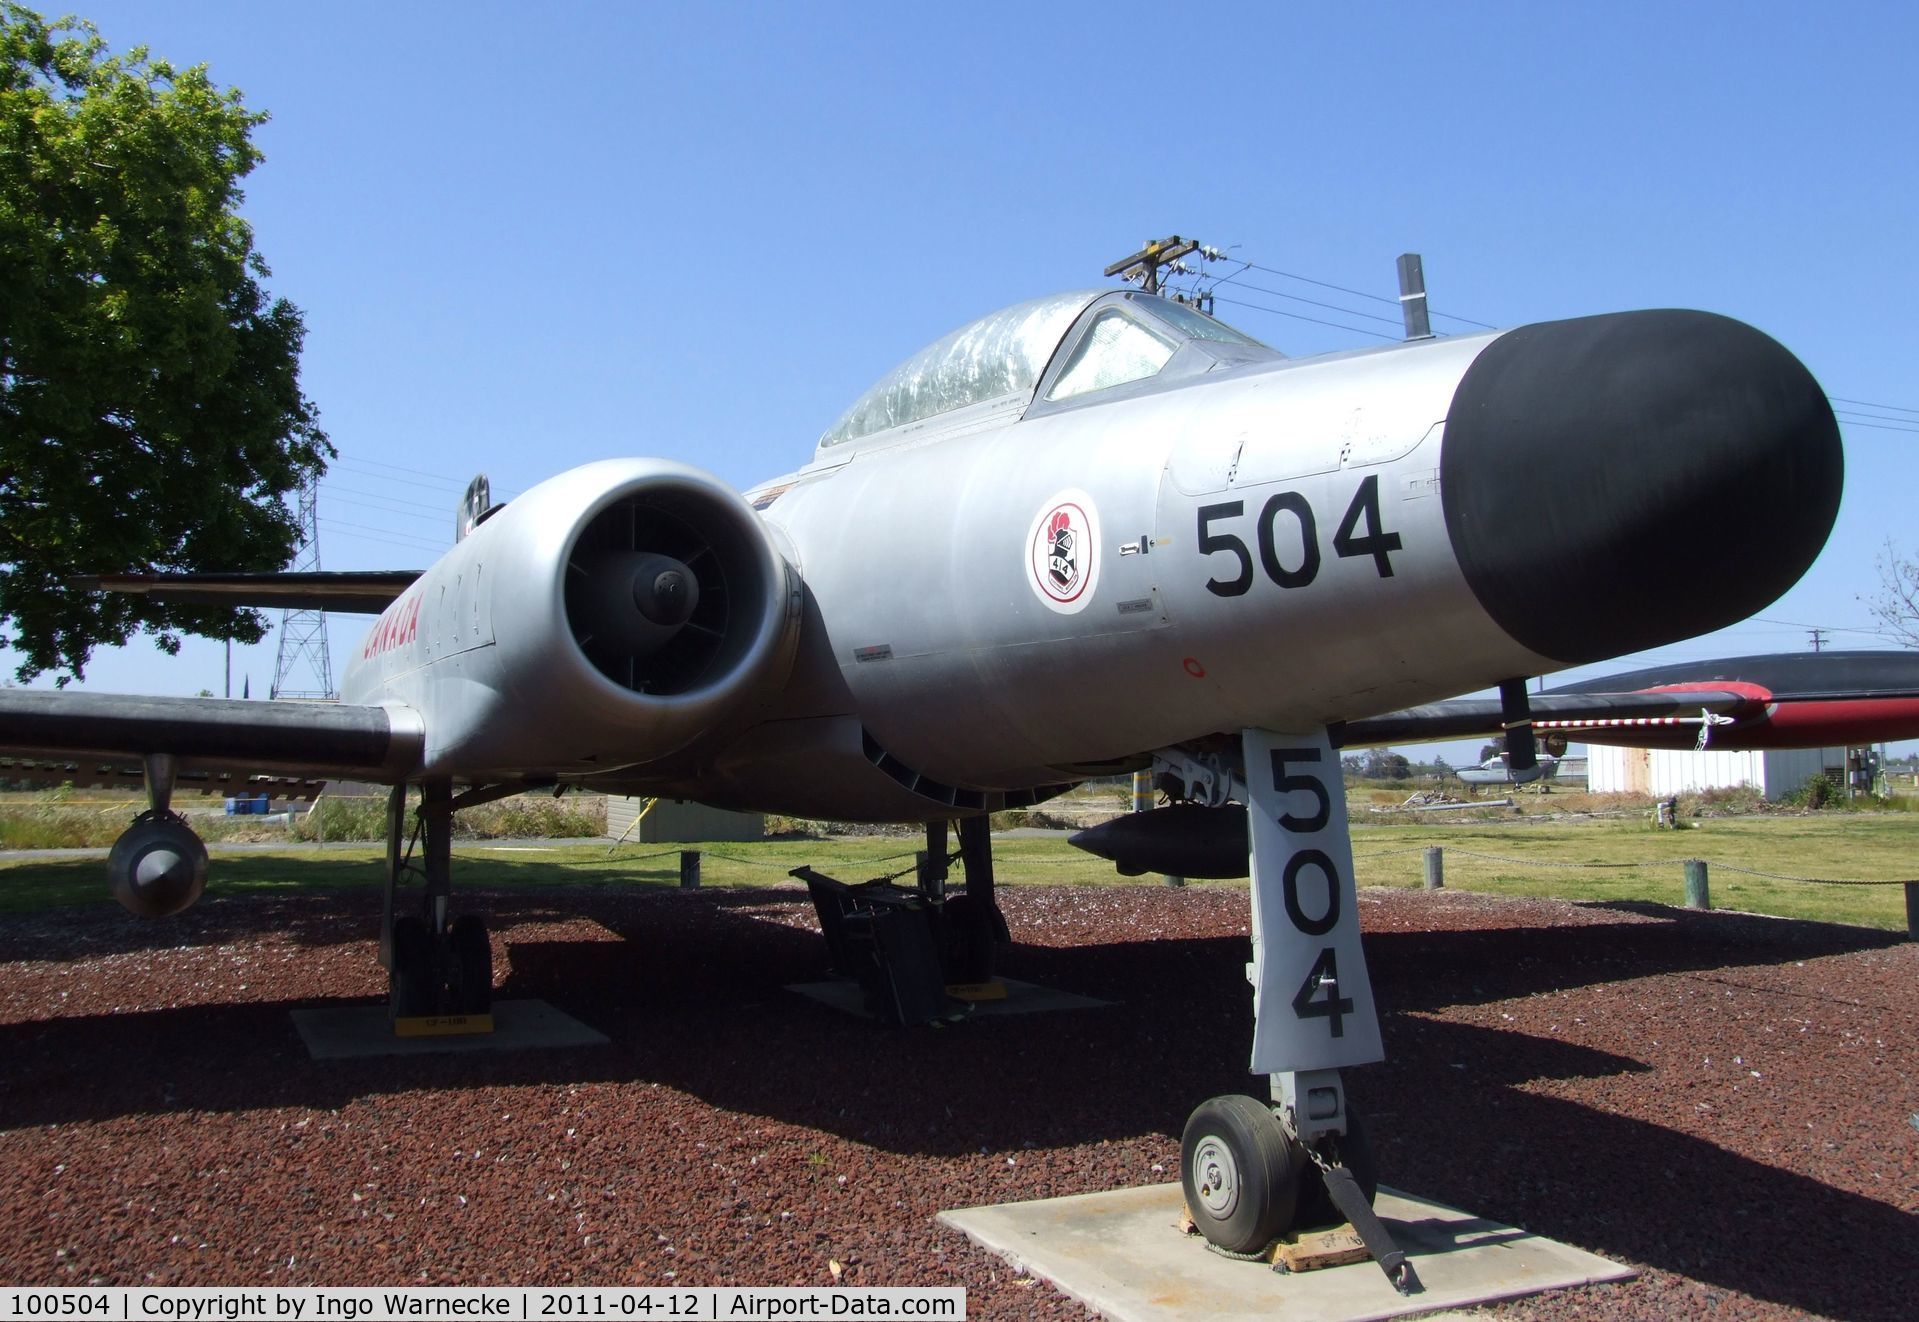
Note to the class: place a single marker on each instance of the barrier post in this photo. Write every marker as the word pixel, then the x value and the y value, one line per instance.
pixel 1435 867
pixel 1697 896
pixel 689 869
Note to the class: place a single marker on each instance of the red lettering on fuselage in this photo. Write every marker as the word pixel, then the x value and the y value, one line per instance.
pixel 398 625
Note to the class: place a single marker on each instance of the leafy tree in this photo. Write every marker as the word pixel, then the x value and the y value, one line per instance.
pixel 150 406
pixel 1384 764
pixel 1897 604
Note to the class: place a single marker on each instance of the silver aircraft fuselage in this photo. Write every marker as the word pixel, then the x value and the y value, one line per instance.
pixel 1012 595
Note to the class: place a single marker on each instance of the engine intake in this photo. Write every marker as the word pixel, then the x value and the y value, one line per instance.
pixel 664 590
pixel 607 617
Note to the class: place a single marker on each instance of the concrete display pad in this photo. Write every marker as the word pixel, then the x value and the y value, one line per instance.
pixel 345 1032
pixel 1122 1254
pixel 1021 998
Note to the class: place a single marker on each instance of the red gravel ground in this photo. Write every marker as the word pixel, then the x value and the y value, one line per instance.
pixel 1727 1102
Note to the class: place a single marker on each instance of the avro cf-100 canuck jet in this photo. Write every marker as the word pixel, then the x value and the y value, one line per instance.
pixel 1090 533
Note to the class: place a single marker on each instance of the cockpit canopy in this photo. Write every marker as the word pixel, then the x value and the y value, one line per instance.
pixel 1110 337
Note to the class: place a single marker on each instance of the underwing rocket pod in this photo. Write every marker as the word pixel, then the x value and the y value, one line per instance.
pixel 1185 840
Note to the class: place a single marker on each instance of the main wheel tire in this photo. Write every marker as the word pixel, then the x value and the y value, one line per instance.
pixel 470 968
pixel 1239 1170
pixel 1316 1206
pixel 413 984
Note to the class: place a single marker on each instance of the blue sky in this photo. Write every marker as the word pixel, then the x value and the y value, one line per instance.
pixel 526 237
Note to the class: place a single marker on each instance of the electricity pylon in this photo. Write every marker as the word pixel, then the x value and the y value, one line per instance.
pixel 303 642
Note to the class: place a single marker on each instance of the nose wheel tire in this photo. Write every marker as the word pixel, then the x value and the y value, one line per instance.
pixel 1240 1172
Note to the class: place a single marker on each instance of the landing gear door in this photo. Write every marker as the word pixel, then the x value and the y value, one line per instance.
pixel 1312 1001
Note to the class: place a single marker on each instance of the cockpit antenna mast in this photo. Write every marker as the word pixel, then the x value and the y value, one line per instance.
pixel 1164 254
pixel 1143 266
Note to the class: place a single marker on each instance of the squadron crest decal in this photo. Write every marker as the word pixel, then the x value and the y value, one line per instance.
pixel 1062 552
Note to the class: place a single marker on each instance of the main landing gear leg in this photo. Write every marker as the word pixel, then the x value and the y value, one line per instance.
pixel 974 919
pixel 1252 1171
pixel 438 966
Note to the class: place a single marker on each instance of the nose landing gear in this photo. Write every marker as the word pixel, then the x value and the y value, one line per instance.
pixel 1253 1171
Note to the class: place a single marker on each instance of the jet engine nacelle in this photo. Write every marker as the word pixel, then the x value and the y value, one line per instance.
pixel 158 866
pixel 606 617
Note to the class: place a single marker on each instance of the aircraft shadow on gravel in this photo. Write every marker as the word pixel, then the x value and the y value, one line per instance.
pixel 699 1004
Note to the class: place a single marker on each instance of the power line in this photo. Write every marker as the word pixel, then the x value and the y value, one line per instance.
pixel 1823 628
pixel 1866 403
pixel 1358 293
pixel 426 511
pixel 1877 426
pixel 439 479
pixel 384 541
pixel 421 478
pixel 1852 415
pixel 423 542
pixel 1317 321
pixel 1296 298
pixel 437 521
pixel 1878 417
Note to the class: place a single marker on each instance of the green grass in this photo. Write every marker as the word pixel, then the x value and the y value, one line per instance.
pixel 1835 846
pixel 1814 846
pixel 61 820
pixel 28 884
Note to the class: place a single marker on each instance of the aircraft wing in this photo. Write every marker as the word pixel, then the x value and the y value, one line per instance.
pixel 103 739
pixel 1781 700
pixel 363 591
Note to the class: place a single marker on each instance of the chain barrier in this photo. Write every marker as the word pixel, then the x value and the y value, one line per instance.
pixel 1383 853
pixel 1553 863
pixel 830 863
pixel 1810 881
pixel 1656 863
pixel 641 858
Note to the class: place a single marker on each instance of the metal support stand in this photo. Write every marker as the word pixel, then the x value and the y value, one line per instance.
pixel 976 857
pixel 439 969
pixel 978 916
pixel 395 865
pixel 436 817
pixel 933 870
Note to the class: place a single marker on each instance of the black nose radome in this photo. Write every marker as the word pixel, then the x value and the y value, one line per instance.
pixel 1618 482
